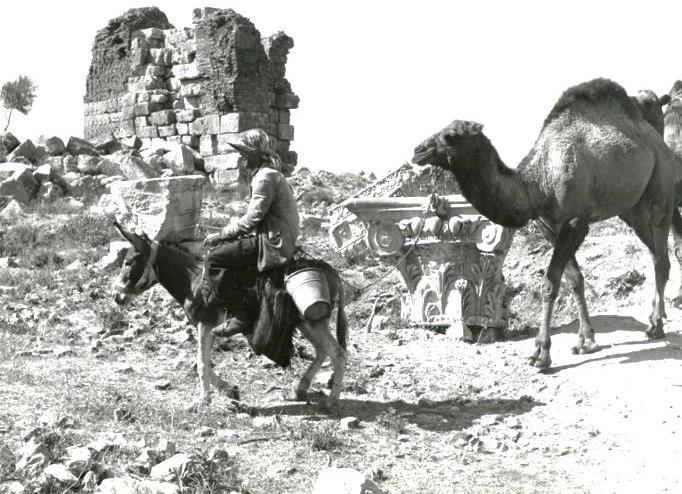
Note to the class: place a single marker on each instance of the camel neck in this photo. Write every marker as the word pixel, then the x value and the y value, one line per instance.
pixel 496 191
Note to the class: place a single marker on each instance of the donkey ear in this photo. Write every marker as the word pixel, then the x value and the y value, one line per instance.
pixel 664 100
pixel 136 240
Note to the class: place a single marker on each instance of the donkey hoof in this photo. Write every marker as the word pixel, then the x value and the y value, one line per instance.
pixel 330 406
pixel 655 331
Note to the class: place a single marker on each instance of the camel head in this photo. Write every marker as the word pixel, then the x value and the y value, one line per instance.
pixel 651 107
pixel 457 140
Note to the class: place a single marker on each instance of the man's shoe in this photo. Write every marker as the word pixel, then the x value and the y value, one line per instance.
pixel 233 327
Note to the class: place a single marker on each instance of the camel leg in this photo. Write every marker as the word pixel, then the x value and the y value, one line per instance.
pixel 571 235
pixel 318 333
pixel 655 237
pixel 677 236
pixel 576 281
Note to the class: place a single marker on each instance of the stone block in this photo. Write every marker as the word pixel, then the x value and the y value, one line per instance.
pixel 226 178
pixel 167 130
pixel 26 150
pixel 54 146
pixel 186 71
pixel 182 128
pixel 148 131
pixel 20 184
pixel 174 139
pixel 109 167
pixel 88 165
pixel 141 122
pixel 134 168
pixel 10 209
pixel 284 116
pixel 232 123
pixel 221 161
pixel 9 142
pixel 142 109
pixel 187 115
pixel 191 141
pixel 161 56
pixel 180 158
pixel 70 164
pixel 57 164
pixel 285 132
pixel 106 143
pixel 126 128
pixel 208 145
pixel 77 146
pixel 210 124
pixel 144 97
pixel 162 117
pixel 191 102
pixel 159 99
pixel 189 88
pixel 282 147
pixel 162 208
pixel 287 101
pixel 87 185
pixel 43 173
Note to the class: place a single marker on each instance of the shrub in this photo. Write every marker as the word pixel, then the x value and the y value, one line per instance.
pixel 89 229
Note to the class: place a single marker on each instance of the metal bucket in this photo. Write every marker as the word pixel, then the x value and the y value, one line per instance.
pixel 310 291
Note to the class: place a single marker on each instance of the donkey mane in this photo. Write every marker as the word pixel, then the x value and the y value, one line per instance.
pixel 181 249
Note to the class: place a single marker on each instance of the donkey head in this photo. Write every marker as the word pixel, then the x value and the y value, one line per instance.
pixel 139 268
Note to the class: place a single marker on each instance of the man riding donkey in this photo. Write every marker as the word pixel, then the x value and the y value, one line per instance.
pixel 272 215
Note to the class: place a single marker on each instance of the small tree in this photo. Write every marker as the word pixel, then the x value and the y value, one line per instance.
pixel 18 95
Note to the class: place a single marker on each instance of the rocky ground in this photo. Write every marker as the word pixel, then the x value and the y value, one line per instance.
pixel 94 395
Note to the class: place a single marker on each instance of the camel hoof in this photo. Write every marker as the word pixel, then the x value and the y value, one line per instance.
pixel 585 348
pixel 543 362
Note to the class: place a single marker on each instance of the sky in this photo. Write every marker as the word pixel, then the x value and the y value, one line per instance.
pixel 375 78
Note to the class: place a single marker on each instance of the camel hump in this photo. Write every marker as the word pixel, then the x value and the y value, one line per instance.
pixel 596 91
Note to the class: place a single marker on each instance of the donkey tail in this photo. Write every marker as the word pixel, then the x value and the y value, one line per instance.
pixel 341 321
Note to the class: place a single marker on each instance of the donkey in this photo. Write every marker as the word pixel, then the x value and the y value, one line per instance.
pixel 179 272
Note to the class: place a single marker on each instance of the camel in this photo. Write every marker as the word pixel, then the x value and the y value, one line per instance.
pixel 672 123
pixel 595 157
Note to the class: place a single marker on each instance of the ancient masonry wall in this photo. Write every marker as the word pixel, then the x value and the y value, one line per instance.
pixel 196 86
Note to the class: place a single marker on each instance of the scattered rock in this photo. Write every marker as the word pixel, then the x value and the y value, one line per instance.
pixel 122 414
pixel 54 146
pixel 349 423
pixel 17 181
pixel 162 385
pixel 59 472
pixel 267 422
pixel 9 142
pixel 333 480
pixel 73 205
pixel 25 150
pixel 12 487
pixel 167 470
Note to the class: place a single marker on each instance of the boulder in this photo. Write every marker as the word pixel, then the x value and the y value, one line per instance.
pixel 78 459
pixel 43 173
pixel 169 469
pixel 19 182
pixel 135 168
pixel 60 473
pixel 70 164
pixel 73 205
pixel 53 146
pixel 25 150
pixel 88 165
pixel 9 142
pixel 77 146
pixel 106 144
pixel 109 167
pixel 9 208
pixel 49 192
pixel 57 164
pixel 86 185
pixel 333 480
pixel 162 208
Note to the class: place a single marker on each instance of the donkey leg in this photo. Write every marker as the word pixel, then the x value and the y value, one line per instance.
pixel 204 361
pixel 320 356
pixel 677 237
pixel 571 235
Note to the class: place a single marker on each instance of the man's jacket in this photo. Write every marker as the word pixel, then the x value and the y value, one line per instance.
pixel 272 212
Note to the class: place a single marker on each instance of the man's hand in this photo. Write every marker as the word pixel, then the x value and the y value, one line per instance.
pixel 213 239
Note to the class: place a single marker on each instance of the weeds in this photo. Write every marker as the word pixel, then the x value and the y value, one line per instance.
pixel 624 284
pixel 323 437
pixel 392 421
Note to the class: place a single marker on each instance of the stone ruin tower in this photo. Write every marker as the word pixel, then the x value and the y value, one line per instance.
pixel 195 86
